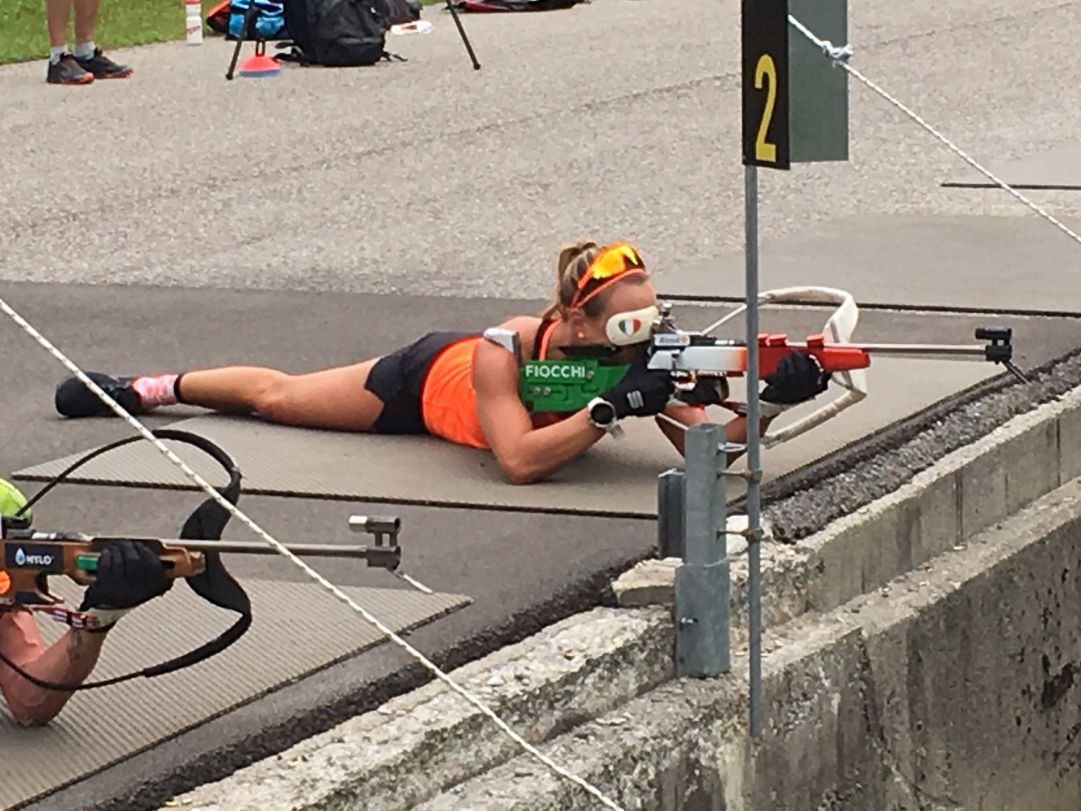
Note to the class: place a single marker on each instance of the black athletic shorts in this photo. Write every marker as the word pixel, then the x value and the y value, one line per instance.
pixel 398 380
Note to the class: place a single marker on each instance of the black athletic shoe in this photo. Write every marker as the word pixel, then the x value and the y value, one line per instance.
pixel 74 399
pixel 67 70
pixel 102 67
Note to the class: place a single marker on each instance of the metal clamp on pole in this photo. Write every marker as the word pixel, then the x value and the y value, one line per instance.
pixel 702 585
pixel 670 513
pixel 386 554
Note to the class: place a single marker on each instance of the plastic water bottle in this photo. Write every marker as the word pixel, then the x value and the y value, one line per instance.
pixel 194 12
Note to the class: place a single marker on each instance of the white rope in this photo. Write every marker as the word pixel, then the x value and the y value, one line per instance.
pixel 840 56
pixel 412 581
pixel 281 549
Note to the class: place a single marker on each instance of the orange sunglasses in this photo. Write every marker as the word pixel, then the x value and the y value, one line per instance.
pixel 612 263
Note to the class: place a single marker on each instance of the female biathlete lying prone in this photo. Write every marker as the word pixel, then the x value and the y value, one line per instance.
pixel 464 387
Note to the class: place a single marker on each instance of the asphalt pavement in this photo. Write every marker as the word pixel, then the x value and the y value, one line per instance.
pixel 319 217
pixel 616 118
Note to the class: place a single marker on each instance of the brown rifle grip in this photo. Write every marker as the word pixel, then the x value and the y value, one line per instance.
pixel 181 562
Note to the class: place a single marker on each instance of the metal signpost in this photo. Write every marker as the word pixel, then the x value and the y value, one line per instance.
pixel 795 110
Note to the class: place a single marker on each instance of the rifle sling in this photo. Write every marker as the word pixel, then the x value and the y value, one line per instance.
pixel 214 584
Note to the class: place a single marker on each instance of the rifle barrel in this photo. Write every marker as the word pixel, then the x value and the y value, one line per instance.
pixel 919 349
pixel 326 550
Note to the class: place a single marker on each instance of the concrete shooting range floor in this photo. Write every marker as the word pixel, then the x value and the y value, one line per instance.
pixel 265 658
pixel 1010 263
pixel 1057 168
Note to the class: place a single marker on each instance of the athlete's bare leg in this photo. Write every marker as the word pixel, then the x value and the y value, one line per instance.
pixel 333 399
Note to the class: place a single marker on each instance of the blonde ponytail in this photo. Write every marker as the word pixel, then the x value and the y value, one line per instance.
pixel 573 261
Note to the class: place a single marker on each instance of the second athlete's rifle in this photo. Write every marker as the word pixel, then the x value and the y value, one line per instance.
pixel 28 558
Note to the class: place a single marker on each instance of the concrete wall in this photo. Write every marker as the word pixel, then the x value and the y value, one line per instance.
pixel 953 690
pixel 959 687
pixel 953 499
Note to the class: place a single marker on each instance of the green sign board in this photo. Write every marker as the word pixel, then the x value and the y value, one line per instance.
pixel 818 88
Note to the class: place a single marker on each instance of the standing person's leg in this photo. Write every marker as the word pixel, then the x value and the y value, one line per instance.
pixel 63 69
pixel 87 54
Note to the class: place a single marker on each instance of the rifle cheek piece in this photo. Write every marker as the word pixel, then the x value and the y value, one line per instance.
pixel 634 327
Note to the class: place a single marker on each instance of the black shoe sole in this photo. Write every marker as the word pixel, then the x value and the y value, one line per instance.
pixel 74 399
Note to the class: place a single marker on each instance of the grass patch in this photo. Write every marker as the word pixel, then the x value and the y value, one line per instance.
pixel 121 23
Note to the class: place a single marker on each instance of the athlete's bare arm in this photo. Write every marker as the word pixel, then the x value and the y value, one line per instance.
pixel 525 454
pixel 69 660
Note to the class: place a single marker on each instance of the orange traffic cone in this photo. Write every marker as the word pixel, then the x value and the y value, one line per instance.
pixel 260 64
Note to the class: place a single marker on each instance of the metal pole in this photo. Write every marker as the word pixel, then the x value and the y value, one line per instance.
pixel 754 469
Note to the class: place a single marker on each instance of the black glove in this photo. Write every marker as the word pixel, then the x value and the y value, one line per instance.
pixel 642 392
pixel 797 379
pixel 707 391
pixel 128 574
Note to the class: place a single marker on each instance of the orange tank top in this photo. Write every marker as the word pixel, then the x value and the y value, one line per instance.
pixel 449 402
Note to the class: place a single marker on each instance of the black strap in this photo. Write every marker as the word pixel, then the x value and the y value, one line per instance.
pixel 295 54
pixel 214 584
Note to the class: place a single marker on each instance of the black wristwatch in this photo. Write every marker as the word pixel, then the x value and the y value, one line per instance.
pixel 601 413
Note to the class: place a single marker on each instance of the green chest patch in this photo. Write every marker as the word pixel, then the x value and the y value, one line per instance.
pixel 565 385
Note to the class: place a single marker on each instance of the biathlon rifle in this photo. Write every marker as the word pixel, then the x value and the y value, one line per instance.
pixel 31 557
pixel 28 558
pixel 702 364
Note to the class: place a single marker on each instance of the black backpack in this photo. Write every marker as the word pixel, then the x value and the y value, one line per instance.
pixel 343 33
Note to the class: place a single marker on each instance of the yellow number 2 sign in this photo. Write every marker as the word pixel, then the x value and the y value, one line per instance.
pixel 766 74
pixel 765 83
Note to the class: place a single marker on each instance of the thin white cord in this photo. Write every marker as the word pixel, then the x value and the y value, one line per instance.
pixel 281 549
pixel 724 320
pixel 412 581
pixel 840 56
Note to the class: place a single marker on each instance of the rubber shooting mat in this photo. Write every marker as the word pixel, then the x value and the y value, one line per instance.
pixel 616 477
pixel 296 629
pixel 1058 168
pixel 1018 263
